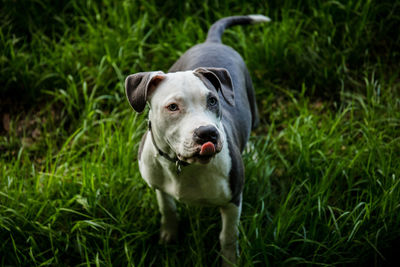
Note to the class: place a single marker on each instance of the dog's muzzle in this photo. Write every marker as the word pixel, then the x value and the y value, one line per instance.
pixel 205 134
pixel 208 141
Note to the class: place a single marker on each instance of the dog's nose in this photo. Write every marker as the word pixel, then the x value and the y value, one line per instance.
pixel 205 134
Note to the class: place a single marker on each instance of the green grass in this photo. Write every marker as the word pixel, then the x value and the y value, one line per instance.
pixel 322 171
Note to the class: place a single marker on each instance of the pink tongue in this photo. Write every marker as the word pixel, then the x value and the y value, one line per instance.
pixel 207 149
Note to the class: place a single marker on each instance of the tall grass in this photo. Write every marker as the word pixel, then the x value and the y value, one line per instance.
pixel 322 172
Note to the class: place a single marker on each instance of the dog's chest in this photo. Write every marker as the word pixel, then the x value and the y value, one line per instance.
pixel 196 184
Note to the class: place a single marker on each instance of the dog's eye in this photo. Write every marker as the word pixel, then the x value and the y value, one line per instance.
pixel 173 107
pixel 212 101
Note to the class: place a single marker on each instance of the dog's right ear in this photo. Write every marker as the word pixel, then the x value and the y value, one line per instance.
pixel 220 79
pixel 139 86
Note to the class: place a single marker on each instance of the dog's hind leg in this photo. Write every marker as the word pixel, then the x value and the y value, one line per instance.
pixel 230 215
pixel 169 217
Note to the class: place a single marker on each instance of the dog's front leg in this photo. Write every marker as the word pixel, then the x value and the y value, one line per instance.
pixel 230 215
pixel 169 218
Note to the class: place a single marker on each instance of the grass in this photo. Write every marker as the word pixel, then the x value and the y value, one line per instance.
pixel 322 171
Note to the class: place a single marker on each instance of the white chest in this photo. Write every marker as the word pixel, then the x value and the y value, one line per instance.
pixel 196 184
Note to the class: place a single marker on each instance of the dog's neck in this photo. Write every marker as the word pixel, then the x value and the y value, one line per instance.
pixel 179 163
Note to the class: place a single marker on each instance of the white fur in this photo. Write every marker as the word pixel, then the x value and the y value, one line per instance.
pixel 259 18
pixel 169 217
pixel 199 184
pixel 196 184
pixel 173 132
pixel 230 215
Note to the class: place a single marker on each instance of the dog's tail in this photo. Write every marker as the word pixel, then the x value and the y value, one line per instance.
pixel 218 28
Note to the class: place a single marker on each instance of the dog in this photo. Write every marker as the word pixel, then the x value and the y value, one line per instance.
pixel 200 116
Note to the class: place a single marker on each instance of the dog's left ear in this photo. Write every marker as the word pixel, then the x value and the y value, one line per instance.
pixel 139 86
pixel 220 79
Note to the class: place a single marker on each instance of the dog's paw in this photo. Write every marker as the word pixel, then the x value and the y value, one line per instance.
pixel 168 236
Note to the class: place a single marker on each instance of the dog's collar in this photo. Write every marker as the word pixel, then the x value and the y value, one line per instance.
pixel 179 163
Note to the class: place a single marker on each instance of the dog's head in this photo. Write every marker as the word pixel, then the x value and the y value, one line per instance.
pixel 185 109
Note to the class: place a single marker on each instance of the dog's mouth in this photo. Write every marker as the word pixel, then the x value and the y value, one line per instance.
pixel 206 153
pixel 207 149
pixel 203 153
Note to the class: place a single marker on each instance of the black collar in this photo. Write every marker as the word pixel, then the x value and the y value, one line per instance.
pixel 179 163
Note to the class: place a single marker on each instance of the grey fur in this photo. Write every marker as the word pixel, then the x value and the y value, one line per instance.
pixel 218 28
pixel 220 79
pixel 239 118
pixel 137 87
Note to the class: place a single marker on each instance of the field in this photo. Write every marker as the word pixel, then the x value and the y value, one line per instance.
pixel 322 170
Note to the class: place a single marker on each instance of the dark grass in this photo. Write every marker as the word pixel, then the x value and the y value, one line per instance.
pixel 322 171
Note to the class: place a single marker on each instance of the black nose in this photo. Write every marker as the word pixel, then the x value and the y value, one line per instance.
pixel 205 134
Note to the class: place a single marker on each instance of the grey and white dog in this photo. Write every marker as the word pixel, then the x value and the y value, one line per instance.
pixel 200 118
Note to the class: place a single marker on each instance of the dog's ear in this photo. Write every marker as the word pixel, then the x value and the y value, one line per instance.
pixel 220 79
pixel 139 86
